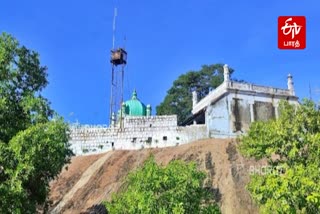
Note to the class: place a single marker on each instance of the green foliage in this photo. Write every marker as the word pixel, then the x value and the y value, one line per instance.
pixel 179 97
pixel 21 79
pixel 33 143
pixel 176 188
pixel 292 144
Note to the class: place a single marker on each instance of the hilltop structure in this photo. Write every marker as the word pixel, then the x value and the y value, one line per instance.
pixel 226 111
pixel 134 128
pixel 233 106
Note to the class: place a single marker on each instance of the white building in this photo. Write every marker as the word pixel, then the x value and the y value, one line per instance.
pixel 230 109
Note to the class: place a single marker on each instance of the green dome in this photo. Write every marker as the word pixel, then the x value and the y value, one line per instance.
pixel 134 107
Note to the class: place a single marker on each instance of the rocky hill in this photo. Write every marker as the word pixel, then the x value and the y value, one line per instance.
pixel 92 179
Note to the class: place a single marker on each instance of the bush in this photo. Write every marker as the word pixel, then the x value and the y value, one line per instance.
pixel 176 188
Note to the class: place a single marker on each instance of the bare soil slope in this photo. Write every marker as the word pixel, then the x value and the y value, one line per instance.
pixel 92 179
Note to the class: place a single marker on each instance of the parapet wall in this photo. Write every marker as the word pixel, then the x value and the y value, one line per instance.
pixel 258 89
pixel 138 133
pixel 150 121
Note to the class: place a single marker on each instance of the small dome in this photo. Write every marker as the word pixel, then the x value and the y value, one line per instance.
pixel 134 107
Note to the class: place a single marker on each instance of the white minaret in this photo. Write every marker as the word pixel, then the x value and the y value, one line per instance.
pixel 290 85
pixel 113 119
pixel 194 101
pixel 194 98
pixel 226 73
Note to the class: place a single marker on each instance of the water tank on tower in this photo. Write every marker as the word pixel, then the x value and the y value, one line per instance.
pixel 118 57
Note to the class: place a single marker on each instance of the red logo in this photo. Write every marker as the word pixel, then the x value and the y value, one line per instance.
pixel 292 32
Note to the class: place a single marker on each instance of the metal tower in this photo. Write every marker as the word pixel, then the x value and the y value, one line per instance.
pixel 118 62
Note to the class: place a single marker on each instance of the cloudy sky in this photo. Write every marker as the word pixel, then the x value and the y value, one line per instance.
pixel 164 39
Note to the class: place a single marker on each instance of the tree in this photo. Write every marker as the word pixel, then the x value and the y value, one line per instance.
pixel 291 145
pixel 33 138
pixel 179 97
pixel 176 188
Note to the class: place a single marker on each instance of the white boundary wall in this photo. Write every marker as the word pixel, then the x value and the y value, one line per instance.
pixel 138 133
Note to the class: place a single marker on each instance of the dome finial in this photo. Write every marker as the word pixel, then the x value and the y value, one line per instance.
pixel 134 94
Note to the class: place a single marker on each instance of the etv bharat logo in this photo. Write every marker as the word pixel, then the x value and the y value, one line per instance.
pixel 292 32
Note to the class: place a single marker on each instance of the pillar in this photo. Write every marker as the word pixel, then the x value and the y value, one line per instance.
pixel 148 110
pixel 113 119
pixel 290 85
pixel 226 73
pixel 252 111
pixel 194 102
pixel 194 98
pixel 276 110
pixel 123 110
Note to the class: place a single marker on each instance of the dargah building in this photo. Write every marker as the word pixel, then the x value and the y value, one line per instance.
pixel 225 112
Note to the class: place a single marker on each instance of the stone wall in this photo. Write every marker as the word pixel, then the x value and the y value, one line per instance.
pixel 138 133
pixel 264 111
pixel 150 121
pixel 233 113
pixel 240 115
pixel 217 118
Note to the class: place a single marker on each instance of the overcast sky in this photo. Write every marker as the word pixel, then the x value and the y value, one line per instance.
pixel 164 39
